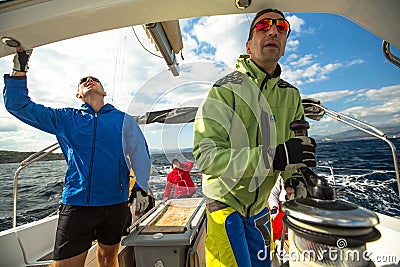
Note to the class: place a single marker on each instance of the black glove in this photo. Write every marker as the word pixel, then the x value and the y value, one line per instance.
pixel 21 59
pixel 295 153
pixel 312 111
pixel 295 182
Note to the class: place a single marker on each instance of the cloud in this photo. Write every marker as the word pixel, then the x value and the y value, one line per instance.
pixel 373 114
pixel 21 137
pixel 291 46
pixel 388 98
pixel 220 33
pixel 390 93
pixel 377 107
pixel 297 29
pixel 7 125
pixel 304 61
pixel 296 24
pixel 140 81
pixel 163 90
pixel 330 96
pixel 306 69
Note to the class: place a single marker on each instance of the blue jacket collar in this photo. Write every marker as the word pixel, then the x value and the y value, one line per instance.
pixel 104 109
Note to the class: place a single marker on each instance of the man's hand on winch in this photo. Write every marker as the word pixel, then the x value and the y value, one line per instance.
pixel 295 153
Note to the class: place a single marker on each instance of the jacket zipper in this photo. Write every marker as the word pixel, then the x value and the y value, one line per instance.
pixel 257 143
pixel 92 159
pixel 259 96
pixel 255 198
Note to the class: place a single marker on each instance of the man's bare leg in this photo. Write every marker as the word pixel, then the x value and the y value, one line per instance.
pixel 107 256
pixel 76 261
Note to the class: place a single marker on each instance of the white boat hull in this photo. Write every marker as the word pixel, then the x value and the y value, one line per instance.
pixel 26 244
pixel 32 244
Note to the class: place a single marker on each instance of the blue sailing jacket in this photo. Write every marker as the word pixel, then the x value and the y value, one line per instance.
pixel 99 148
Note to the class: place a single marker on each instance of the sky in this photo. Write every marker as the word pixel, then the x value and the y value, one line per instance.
pixel 327 57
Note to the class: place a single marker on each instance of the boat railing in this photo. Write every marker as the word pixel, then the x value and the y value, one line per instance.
pixel 332 175
pixel 365 127
pixel 29 160
pixel 389 55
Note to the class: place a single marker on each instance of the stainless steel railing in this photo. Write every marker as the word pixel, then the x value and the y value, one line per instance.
pixel 29 160
pixel 365 127
pixel 389 55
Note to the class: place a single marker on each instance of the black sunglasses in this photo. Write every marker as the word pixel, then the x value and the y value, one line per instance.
pixel 85 79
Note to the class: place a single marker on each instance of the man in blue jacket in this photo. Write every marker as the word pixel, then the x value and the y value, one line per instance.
pixel 100 144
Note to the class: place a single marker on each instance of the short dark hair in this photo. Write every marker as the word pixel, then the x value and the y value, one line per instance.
pixel 175 161
pixel 267 10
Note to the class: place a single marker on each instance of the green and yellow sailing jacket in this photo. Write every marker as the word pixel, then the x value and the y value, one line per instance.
pixel 244 117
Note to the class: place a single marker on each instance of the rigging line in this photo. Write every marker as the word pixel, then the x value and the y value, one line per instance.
pixel 248 19
pixel 116 64
pixel 118 68
pixel 122 67
pixel 134 32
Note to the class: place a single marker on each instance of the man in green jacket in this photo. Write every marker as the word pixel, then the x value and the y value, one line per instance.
pixel 242 142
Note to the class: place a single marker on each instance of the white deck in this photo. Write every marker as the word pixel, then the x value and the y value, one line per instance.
pixel 386 251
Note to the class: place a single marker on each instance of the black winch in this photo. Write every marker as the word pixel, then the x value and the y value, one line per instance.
pixel 333 232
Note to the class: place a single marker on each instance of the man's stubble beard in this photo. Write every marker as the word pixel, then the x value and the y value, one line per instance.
pixel 271 57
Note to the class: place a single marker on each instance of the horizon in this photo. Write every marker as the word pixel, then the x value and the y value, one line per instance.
pixel 325 139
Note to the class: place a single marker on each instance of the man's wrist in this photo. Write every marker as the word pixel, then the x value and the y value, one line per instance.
pixel 18 73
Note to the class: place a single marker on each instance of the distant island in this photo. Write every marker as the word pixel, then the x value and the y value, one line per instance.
pixel 355 134
pixel 16 156
pixel 351 135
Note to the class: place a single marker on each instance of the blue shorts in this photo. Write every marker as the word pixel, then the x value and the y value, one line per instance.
pixel 234 240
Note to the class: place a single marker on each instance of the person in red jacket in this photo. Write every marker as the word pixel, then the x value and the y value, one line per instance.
pixel 180 178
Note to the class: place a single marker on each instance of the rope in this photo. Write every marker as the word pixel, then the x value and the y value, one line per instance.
pixel 134 32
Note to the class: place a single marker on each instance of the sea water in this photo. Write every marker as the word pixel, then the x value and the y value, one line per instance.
pixel 363 174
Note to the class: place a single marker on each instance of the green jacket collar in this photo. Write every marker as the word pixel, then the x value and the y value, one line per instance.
pixel 247 66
